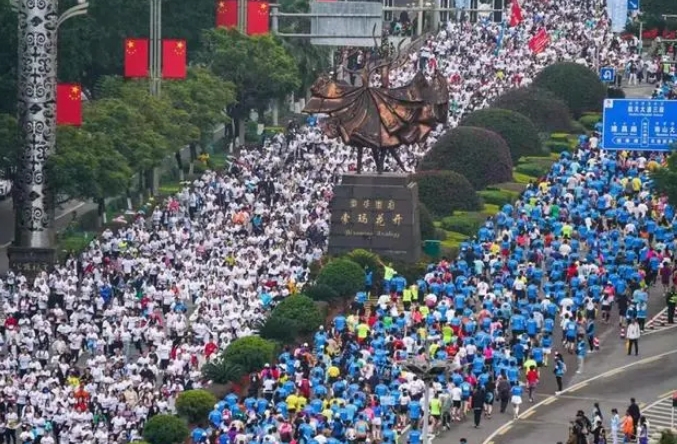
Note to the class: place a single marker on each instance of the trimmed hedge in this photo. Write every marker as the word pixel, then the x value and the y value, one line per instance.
pixel 532 169
pixel 343 276
pixel 443 192
pixel 467 224
pixel 299 313
pixel 251 353
pixel 320 292
pixel 590 120
pixel 547 112
pixel 427 223
pixel 368 260
pixel 195 405
pixel 480 155
pixel 578 86
pixel 516 129
pixel 556 146
pixel 165 429
pixel 494 196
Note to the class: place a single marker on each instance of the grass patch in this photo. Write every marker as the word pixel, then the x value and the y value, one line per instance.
pixel 522 178
pixel 490 209
pixel 453 240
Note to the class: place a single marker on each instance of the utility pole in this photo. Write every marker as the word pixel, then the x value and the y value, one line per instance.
pixel 155 47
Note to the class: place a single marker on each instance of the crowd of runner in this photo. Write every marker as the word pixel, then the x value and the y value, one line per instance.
pixel 111 337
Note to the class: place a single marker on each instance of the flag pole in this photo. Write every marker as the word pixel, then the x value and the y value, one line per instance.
pixel 155 47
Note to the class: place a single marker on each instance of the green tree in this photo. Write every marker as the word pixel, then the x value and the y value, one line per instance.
pixel 86 165
pixel 259 66
pixel 165 429
pixel 665 179
pixel 9 141
pixel 578 86
pixel 220 371
pixel 480 155
pixel 195 405
pixel 343 276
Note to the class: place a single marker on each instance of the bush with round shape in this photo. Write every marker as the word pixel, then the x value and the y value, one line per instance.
pixel 368 261
pixel 590 120
pixel 494 196
pixel 279 329
pixel 517 130
pixel 462 223
pixel 532 169
pixel 578 86
pixel 482 156
pixel 443 192
pixel 343 276
pixel 251 353
pixel 426 222
pixel 547 112
pixel 299 311
pixel 195 405
pixel 165 429
pixel 319 292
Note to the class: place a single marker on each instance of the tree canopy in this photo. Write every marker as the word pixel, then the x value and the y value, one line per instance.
pixel 259 67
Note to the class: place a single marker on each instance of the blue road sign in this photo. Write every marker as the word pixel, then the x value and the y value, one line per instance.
pixel 633 5
pixel 607 74
pixel 644 125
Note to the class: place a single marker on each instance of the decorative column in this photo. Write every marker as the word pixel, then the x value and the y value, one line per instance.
pixel 33 250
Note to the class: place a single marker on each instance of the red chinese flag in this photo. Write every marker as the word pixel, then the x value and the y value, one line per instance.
pixel 68 104
pixel 136 58
pixel 515 13
pixel 173 59
pixel 226 14
pixel 540 41
pixel 258 17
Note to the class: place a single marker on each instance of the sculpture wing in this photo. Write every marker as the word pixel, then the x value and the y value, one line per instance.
pixel 329 96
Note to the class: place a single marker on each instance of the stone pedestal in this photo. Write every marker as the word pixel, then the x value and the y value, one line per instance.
pixel 376 212
pixel 31 261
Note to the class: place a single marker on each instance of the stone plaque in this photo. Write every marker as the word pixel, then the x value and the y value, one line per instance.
pixel 376 212
pixel 31 261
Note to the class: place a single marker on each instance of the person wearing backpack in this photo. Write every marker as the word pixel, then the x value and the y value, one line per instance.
pixel 560 369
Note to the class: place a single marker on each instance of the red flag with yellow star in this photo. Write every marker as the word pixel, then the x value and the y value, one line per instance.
pixel 226 13
pixel 136 58
pixel 173 59
pixel 258 17
pixel 68 104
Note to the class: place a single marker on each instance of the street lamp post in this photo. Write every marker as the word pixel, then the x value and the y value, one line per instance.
pixel 155 47
pixel 32 249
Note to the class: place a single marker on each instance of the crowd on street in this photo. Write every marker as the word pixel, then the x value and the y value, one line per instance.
pixel 109 338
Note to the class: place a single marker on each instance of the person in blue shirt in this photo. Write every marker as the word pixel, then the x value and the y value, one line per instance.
pixel 559 370
pixel 581 352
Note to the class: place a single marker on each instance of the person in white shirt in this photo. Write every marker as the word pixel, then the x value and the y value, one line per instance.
pixel 633 333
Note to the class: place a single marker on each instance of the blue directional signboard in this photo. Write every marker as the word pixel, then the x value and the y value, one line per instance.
pixel 633 5
pixel 634 124
pixel 607 74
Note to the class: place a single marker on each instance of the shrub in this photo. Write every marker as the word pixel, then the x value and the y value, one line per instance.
pixel 279 329
pixel 578 128
pixel 165 429
pixel 251 353
pixel 517 130
pixel 221 371
pixel 427 223
pixel 557 147
pixel 467 224
pixel 542 107
pixel 368 260
pixel 667 437
pixel 343 276
pixel 532 169
pixel 195 405
pixel 320 292
pixel 578 86
pixel 410 271
pixel 299 311
pixel 590 120
pixel 615 93
pixel 494 196
pixel 443 192
pixel 480 155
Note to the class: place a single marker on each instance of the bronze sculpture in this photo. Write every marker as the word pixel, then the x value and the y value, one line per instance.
pixel 380 118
